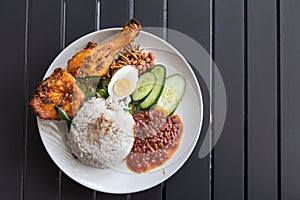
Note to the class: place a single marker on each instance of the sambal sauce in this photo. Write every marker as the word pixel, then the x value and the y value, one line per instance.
pixel 157 138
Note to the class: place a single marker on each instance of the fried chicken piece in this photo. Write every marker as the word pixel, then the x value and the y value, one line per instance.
pixel 95 59
pixel 58 89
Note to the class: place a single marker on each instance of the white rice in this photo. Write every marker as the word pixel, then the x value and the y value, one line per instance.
pixel 101 133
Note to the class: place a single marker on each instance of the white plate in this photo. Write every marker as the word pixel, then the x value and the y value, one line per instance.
pixel 120 179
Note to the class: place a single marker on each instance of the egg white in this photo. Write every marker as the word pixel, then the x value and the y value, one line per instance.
pixel 128 72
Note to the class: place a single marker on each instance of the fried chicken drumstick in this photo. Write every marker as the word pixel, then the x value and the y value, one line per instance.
pixel 95 60
pixel 60 88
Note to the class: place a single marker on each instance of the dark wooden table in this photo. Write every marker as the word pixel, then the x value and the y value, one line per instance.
pixel 255 43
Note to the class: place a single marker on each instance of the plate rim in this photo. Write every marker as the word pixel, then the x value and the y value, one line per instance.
pixel 181 160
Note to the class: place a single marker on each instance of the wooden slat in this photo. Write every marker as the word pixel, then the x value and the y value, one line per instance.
pixel 113 13
pixel 41 175
pixel 73 190
pixel 229 151
pixel 290 98
pixel 80 19
pixel 77 26
pixel 191 18
pixel 13 104
pixel 262 100
pixel 105 196
pixel 150 14
pixel 193 179
pixel 150 194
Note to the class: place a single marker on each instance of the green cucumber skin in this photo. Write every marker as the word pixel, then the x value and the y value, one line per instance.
pixel 152 98
pixel 139 96
pixel 169 84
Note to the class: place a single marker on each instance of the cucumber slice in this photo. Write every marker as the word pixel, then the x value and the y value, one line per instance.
pixel 144 86
pixel 160 74
pixel 172 94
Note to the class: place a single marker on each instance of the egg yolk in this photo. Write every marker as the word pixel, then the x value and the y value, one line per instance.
pixel 123 87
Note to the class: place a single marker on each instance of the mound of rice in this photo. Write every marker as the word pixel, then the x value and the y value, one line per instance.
pixel 101 133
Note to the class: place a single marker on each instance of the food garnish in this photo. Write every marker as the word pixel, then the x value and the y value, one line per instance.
pixel 160 74
pixel 62 115
pixel 145 85
pixel 134 56
pixel 171 94
pixel 88 85
pixel 102 93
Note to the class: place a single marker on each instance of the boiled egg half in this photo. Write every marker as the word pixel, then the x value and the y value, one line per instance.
pixel 123 82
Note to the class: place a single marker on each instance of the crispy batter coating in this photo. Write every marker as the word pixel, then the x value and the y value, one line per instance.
pixel 95 60
pixel 79 58
pixel 58 89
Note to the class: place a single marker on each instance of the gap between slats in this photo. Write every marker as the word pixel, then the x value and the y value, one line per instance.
pixel 131 15
pixel 165 19
pixel 97 27
pixel 61 46
pixel 245 99
pixel 26 87
pixel 211 103
pixel 97 14
pixel 165 37
pixel 278 58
